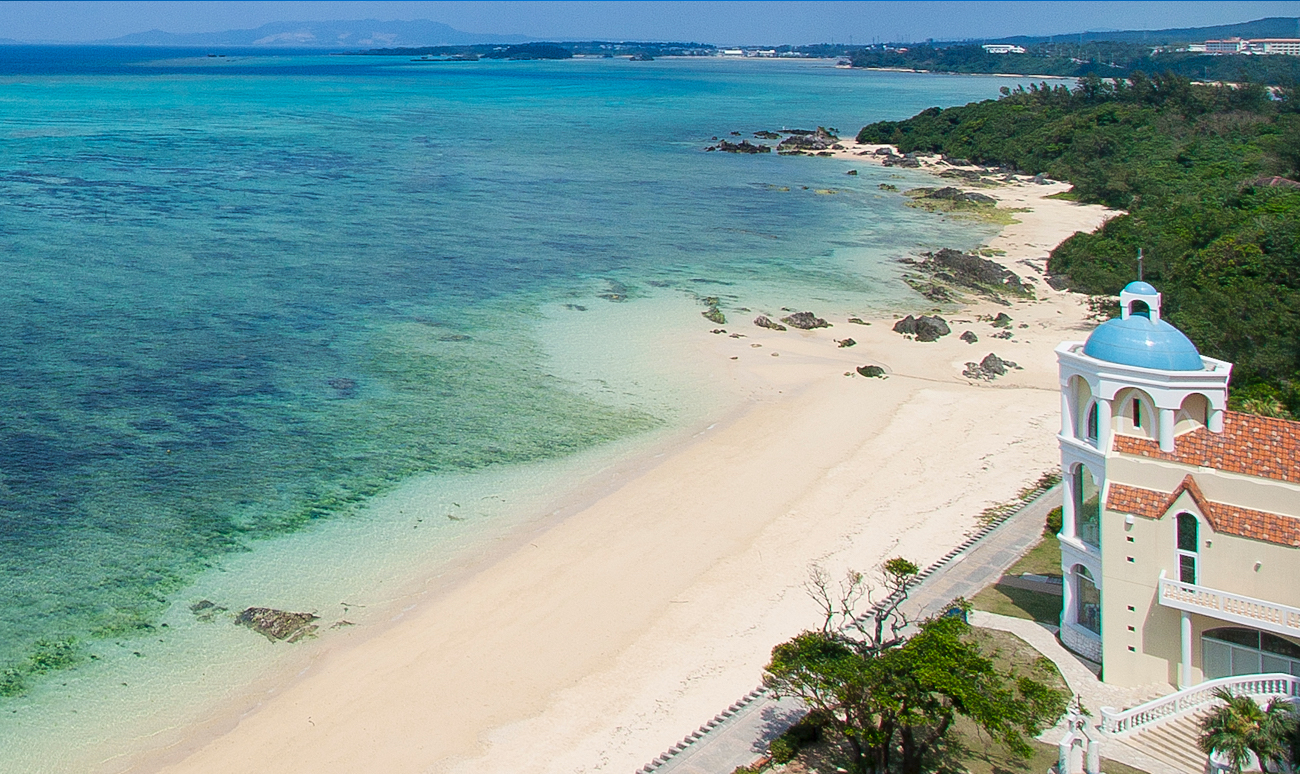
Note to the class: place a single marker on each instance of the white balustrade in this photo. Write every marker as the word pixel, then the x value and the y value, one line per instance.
pixel 1117 723
pixel 1257 613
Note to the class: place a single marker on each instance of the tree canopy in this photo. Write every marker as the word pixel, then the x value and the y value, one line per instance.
pixel 1207 175
pixel 891 698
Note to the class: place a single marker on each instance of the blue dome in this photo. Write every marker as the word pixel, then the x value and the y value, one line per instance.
pixel 1140 288
pixel 1139 341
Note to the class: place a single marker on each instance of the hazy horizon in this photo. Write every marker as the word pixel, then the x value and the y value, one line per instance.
pixel 721 23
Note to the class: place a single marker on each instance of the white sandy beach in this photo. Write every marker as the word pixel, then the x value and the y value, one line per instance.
pixel 606 637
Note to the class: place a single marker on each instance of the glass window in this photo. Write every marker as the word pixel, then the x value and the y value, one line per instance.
pixel 1087 507
pixel 1186 532
pixel 1216 659
pixel 1187 536
pixel 1235 635
pixel 1237 651
pixel 1272 643
pixel 1245 662
pixel 1087 612
pixel 1137 413
pixel 1094 424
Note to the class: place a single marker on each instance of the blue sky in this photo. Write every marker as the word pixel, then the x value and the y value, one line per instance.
pixel 710 22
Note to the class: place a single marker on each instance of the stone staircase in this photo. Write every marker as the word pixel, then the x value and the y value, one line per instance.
pixel 1173 743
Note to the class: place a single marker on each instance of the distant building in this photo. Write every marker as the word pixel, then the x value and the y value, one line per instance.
pixel 1180 535
pixel 733 52
pixel 1285 46
pixel 1227 46
pixel 1002 48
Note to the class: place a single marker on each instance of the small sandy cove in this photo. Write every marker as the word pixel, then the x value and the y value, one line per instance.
pixel 606 637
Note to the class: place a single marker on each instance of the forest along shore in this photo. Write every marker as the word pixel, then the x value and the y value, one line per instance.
pixel 619 629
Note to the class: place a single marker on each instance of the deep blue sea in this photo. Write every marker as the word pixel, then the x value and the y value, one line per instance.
pixel 241 297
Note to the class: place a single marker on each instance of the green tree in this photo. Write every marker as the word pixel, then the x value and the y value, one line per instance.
pixel 892 699
pixel 1238 727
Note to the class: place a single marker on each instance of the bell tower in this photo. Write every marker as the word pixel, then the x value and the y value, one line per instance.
pixel 1136 375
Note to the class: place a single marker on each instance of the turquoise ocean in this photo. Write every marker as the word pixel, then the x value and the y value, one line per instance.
pixel 292 331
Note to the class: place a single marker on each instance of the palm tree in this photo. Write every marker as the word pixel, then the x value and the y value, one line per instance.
pixel 1239 727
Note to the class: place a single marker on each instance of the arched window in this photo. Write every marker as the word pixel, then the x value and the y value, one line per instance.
pixel 1139 309
pixel 1187 543
pixel 1087 507
pixel 1094 423
pixel 1237 651
pixel 1087 600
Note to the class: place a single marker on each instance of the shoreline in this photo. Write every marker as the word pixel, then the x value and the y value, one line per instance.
pixel 613 625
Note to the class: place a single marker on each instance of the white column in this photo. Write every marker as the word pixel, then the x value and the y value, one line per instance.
pixel 1166 429
pixel 1185 672
pixel 1103 424
pixel 1067 595
pixel 1216 420
pixel 1067 504
pixel 1067 416
pixel 1093 765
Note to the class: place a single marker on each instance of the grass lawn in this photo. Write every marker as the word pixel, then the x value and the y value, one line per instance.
pixel 969 750
pixel 1043 559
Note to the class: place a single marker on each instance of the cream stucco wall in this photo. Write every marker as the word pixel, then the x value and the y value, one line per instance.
pixel 1141 640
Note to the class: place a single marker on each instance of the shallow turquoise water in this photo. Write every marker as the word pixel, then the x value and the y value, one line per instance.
pixel 243 297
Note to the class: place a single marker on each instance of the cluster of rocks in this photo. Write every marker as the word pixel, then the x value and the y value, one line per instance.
pixel 766 135
pixel 950 194
pixel 273 624
pixel 871 371
pixel 802 320
pixel 802 142
pixel 713 314
pixel 805 321
pixel 744 146
pixel 891 159
pixel 923 328
pixel 989 368
pixel 946 269
pixel 278 624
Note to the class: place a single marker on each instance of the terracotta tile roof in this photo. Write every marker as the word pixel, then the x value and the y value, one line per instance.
pixel 1249 444
pixel 1230 519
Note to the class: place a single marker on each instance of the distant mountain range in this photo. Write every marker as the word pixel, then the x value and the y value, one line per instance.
pixel 1273 27
pixel 367 33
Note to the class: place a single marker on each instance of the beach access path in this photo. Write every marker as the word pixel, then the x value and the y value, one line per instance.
pixel 744 736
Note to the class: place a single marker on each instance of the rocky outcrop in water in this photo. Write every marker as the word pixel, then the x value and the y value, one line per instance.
pixel 947 268
pixel 820 140
pixel 805 321
pixel 744 146
pixel 278 624
pixel 923 328
pixel 763 321
pixel 206 610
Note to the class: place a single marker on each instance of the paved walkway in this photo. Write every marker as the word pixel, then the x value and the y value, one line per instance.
pixel 1092 692
pixel 739 735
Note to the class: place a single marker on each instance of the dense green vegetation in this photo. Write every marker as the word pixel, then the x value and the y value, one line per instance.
pixel 1192 166
pixel 1103 58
